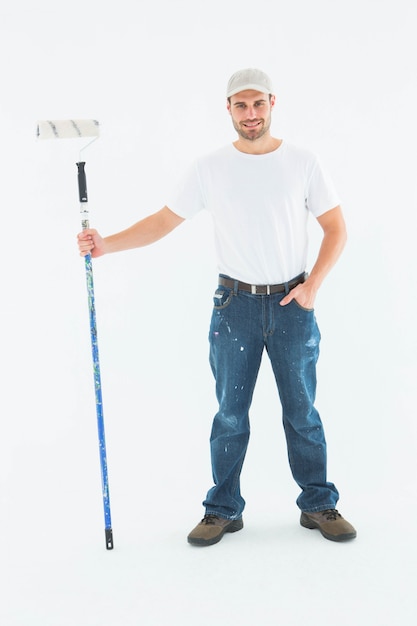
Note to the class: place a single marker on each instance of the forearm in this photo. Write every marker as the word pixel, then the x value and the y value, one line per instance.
pixel 333 242
pixel 331 248
pixel 143 233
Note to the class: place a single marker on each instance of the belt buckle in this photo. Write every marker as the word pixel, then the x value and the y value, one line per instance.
pixel 266 290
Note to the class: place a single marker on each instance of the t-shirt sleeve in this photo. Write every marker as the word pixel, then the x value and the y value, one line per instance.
pixel 321 195
pixel 187 198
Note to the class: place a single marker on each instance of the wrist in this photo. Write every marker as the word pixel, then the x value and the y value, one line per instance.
pixel 314 281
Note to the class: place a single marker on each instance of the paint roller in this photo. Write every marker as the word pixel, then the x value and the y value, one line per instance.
pixel 76 129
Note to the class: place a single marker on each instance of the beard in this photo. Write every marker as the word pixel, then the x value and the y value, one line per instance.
pixel 252 134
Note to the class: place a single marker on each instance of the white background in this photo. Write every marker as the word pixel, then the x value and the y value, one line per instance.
pixel 154 75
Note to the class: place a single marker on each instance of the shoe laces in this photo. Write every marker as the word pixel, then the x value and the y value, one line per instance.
pixel 331 514
pixel 209 518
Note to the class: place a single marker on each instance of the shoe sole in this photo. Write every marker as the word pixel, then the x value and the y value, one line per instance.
pixel 306 522
pixel 233 527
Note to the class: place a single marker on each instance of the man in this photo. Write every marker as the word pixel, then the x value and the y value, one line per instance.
pixel 259 191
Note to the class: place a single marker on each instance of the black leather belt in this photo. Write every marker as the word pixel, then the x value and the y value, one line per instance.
pixel 263 290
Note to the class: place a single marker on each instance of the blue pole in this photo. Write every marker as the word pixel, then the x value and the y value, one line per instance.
pixel 96 364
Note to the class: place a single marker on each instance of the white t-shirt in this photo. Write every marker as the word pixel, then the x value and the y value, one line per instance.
pixel 260 206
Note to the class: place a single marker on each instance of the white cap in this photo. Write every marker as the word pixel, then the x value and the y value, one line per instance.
pixel 249 78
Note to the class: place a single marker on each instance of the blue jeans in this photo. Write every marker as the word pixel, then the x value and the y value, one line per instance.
pixel 242 326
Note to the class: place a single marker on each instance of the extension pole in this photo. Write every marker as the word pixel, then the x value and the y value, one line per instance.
pixel 82 187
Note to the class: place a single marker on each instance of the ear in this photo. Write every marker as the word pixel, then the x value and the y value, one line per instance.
pixel 228 106
pixel 272 101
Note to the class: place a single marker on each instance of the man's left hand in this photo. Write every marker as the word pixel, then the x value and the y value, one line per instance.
pixel 303 294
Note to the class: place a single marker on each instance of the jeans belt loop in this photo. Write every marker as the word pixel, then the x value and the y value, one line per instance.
pixel 235 287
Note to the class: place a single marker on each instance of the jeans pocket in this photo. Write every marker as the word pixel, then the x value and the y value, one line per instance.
pixel 302 308
pixel 222 298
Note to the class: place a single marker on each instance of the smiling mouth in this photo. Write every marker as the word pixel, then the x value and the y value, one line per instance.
pixel 251 124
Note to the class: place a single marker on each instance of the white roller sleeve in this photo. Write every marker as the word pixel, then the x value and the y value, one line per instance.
pixel 68 129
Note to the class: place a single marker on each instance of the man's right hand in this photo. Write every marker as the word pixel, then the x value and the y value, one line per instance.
pixel 90 242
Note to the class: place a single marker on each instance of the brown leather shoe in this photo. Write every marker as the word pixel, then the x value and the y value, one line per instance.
pixel 330 523
pixel 212 528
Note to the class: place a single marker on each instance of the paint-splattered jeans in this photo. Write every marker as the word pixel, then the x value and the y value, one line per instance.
pixel 242 326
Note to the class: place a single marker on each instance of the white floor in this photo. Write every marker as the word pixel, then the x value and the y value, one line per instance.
pixel 58 572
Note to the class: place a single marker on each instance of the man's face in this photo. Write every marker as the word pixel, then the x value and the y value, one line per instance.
pixel 251 113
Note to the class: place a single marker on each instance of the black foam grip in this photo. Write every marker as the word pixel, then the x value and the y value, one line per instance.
pixel 82 182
